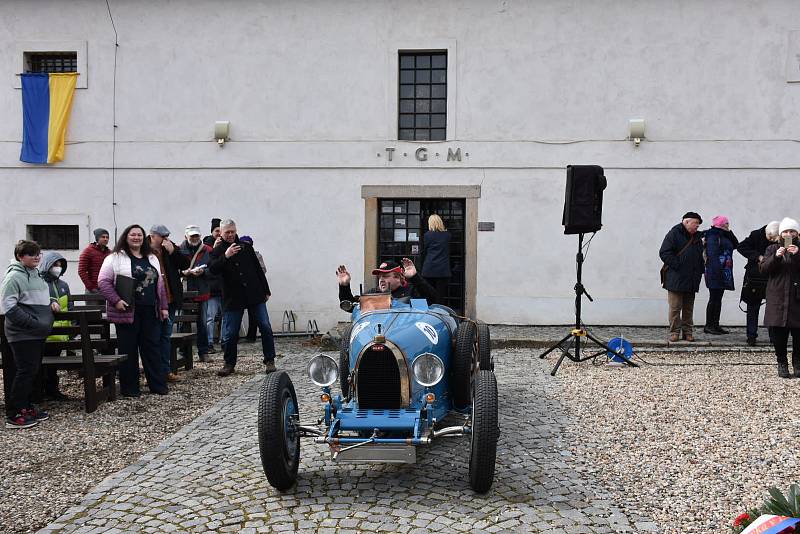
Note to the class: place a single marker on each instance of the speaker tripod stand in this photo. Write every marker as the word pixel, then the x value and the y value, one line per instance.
pixel 573 339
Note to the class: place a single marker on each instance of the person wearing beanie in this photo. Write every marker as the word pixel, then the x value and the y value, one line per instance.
pixel 720 243
pixel 782 265
pixel 682 254
pixel 91 259
pixel 754 286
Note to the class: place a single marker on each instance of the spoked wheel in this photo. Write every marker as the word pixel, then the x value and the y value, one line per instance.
pixel 278 436
pixel 484 347
pixel 485 431
pixel 463 367
pixel 344 361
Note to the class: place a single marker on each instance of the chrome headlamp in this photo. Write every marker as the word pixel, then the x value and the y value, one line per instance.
pixel 323 370
pixel 428 369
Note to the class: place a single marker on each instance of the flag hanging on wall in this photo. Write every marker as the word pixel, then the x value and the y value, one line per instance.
pixel 46 105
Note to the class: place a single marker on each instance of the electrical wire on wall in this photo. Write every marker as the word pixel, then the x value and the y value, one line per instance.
pixel 114 129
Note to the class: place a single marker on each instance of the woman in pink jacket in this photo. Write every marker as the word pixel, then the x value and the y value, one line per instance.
pixel 138 322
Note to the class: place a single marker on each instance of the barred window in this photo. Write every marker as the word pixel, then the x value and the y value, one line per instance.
pixel 422 96
pixel 51 62
pixel 55 236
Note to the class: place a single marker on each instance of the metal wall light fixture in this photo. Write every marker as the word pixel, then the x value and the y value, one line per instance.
pixel 636 131
pixel 221 132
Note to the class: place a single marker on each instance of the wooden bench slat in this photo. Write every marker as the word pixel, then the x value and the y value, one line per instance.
pixel 95 329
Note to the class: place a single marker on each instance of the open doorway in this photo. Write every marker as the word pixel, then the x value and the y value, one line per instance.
pixel 402 223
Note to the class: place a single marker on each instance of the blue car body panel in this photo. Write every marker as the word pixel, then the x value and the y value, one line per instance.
pixel 415 329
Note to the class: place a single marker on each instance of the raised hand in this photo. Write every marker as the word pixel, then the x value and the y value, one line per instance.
pixel 409 270
pixel 343 276
pixel 232 250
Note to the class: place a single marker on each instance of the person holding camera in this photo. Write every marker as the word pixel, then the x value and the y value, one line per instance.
pixel 782 264
pixel 138 320
pixel 754 287
pixel 198 279
pixel 720 244
pixel 244 287
pixel 682 254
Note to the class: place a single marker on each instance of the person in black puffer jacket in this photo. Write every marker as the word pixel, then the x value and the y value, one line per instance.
pixel 682 253
pixel 753 247
pixel 244 287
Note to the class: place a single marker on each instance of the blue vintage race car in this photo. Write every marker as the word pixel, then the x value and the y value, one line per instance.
pixel 403 366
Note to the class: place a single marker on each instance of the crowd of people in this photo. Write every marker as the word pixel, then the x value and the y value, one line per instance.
pixel 772 274
pixel 142 279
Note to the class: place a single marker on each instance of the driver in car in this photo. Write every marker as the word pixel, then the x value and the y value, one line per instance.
pixel 400 280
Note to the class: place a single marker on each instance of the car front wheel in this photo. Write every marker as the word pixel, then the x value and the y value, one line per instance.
pixel 278 435
pixel 485 432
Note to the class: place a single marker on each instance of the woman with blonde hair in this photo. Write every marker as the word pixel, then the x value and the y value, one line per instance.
pixel 436 250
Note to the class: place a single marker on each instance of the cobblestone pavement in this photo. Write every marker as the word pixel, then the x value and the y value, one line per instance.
pixel 208 476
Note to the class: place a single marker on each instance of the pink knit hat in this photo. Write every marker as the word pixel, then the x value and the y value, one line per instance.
pixel 719 221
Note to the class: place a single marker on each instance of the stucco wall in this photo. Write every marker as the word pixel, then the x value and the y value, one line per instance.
pixel 310 90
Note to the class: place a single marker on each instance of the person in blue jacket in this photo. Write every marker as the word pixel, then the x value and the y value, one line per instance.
pixel 719 246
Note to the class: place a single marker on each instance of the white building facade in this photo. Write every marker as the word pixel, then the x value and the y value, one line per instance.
pixel 329 161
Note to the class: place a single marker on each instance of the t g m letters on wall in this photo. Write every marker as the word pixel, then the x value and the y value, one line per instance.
pixel 422 154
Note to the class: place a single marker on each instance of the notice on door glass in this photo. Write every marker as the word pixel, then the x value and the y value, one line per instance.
pixel 399 235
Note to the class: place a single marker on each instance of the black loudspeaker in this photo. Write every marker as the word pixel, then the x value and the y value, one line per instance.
pixel 583 200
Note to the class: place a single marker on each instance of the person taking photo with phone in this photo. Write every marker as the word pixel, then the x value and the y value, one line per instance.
pixel 782 264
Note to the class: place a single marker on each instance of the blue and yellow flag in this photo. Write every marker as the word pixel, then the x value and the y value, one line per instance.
pixel 46 105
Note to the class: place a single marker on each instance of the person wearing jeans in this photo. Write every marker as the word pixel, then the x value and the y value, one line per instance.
pixel 197 277
pixel 244 287
pixel 26 303
pixel 172 262
pixel 232 319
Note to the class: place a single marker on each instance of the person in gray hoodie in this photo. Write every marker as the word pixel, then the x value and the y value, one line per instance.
pixel 52 269
pixel 25 301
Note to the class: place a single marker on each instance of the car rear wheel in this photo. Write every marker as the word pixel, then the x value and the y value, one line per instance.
pixel 278 435
pixel 485 432
pixel 344 361
pixel 463 361
pixel 484 347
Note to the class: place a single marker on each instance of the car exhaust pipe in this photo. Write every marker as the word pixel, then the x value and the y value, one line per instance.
pixel 452 431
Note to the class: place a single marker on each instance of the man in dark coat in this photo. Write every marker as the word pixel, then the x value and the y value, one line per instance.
pixel 753 248
pixel 244 287
pixel 401 281
pixel 172 262
pixel 682 253
pixel 782 264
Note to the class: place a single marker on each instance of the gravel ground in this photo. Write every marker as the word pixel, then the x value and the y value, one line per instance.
pixel 50 467
pixel 691 441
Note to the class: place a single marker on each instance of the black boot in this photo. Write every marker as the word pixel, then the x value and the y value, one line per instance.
pixel 783 370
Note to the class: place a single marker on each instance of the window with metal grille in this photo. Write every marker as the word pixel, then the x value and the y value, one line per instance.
pixel 51 62
pixel 55 236
pixel 422 96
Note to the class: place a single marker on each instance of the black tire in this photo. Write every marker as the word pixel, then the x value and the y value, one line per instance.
pixel 278 439
pixel 462 365
pixel 344 361
pixel 484 347
pixel 485 432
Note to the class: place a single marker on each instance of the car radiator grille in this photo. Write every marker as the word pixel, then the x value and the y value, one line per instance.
pixel 378 380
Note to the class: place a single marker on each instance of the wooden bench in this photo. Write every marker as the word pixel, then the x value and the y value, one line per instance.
pixel 183 341
pixel 88 323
